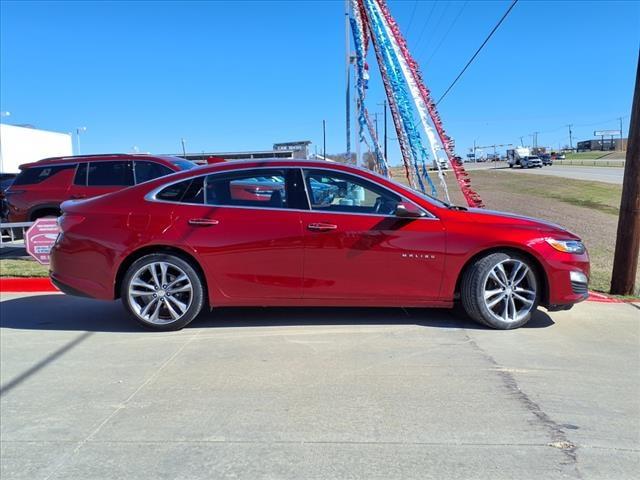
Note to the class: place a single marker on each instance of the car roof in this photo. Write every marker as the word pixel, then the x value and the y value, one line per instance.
pixel 97 158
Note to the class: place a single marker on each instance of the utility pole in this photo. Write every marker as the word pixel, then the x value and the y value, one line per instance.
pixel 324 139
pixel 375 119
pixel 521 142
pixel 347 26
pixel 184 151
pixel 570 137
pixel 625 261
pixel 384 116
pixel 621 138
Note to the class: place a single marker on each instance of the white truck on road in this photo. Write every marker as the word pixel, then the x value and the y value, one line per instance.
pixel 522 156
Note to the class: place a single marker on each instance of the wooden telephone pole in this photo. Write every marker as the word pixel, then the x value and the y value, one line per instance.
pixel 625 263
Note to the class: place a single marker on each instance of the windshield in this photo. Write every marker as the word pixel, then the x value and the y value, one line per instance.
pixel 183 164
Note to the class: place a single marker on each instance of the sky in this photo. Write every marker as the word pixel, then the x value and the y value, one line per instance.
pixel 237 76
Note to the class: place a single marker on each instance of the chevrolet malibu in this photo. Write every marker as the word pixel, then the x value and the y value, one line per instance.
pixel 325 235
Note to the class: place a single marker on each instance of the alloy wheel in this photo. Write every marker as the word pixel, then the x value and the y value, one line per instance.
pixel 160 293
pixel 510 290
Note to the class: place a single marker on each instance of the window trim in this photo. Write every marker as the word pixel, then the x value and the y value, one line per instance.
pixel 151 195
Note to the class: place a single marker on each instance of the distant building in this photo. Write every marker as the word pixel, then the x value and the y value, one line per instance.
pixel 602 144
pixel 300 149
pixel 25 144
pixel 286 150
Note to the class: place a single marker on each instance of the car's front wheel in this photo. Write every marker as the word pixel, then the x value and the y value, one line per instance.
pixel 500 290
pixel 162 291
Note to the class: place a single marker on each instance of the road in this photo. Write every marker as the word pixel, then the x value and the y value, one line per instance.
pixel 316 394
pixel 596 174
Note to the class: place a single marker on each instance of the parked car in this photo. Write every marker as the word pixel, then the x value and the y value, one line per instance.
pixel 6 179
pixel 42 186
pixel 174 246
pixel 546 159
pixel 531 162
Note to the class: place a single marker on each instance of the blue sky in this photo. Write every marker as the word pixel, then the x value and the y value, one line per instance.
pixel 238 75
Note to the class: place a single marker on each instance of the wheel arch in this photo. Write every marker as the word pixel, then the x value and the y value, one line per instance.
pixel 37 211
pixel 167 249
pixel 541 273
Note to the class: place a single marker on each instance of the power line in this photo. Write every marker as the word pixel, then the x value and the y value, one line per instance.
pixel 415 6
pixel 513 4
pixel 438 23
pixel 455 20
pixel 433 5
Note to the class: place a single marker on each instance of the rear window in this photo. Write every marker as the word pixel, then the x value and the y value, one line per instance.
pixel 188 191
pixel 183 164
pixel 35 175
pixel 146 171
pixel 110 173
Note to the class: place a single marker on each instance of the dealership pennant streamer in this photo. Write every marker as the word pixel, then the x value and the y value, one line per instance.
pixel 404 86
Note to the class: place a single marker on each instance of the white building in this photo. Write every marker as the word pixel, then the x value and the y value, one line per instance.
pixel 20 145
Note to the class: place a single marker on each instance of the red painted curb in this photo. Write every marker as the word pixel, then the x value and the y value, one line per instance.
pixel 26 284
pixel 602 298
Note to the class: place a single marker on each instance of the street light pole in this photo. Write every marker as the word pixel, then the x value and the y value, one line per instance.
pixel 570 137
pixel 324 139
pixel 184 150
pixel 79 130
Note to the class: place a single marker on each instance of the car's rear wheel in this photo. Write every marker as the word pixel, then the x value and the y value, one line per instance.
pixel 500 290
pixel 162 291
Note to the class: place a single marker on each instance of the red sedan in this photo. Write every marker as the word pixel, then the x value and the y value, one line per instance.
pixel 328 234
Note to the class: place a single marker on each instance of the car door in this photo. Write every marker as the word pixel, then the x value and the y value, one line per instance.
pixel 247 231
pixel 357 249
pixel 100 177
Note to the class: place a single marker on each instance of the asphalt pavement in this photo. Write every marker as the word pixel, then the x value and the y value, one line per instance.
pixel 316 394
pixel 595 174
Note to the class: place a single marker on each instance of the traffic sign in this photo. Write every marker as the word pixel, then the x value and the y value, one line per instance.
pixel 40 238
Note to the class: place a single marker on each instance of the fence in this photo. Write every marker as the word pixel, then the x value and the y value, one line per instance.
pixel 12 234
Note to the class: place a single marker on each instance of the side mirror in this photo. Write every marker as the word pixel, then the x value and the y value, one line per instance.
pixel 405 210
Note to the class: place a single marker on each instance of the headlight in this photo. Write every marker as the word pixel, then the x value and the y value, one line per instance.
pixel 566 246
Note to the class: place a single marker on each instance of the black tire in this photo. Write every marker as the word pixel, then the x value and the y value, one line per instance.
pixel 197 299
pixel 472 290
pixel 510 165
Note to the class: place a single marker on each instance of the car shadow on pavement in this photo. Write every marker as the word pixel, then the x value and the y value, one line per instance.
pixel 61 312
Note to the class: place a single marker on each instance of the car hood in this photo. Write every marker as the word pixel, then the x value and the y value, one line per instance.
pixel 482 215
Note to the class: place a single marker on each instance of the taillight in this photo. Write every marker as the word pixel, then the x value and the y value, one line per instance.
pixel 69 220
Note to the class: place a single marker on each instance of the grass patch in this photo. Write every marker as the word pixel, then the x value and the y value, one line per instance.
pixel 599 196
pixel 22 268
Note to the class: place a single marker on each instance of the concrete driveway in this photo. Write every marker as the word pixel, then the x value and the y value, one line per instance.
pixel 316 394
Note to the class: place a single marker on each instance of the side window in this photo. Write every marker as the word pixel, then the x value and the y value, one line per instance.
pixel 188 191
pixel 110 174
pixel 146 171
pixel 337 192
pixel 81 175
pixel 34 175
pixel 250 188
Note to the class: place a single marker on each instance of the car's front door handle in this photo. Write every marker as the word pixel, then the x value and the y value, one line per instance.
pixel 322 227
pixel 203 222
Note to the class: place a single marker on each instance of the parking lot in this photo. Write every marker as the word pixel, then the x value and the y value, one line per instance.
pixel 317 393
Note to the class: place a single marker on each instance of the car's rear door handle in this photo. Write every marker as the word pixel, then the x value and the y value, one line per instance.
pixel 322 227
pixel 203 222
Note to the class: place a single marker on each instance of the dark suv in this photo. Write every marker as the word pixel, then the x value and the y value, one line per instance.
pixel 42 186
